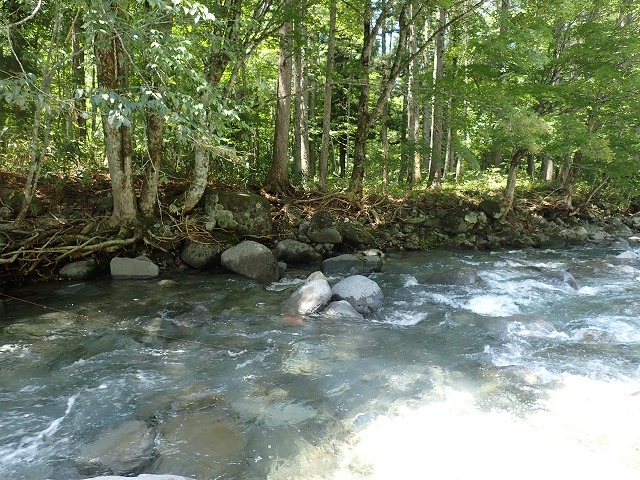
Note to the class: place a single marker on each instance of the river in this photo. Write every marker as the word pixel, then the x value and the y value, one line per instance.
pixel 521 376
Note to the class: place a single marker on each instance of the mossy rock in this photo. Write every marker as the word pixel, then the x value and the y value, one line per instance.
pixel 245 213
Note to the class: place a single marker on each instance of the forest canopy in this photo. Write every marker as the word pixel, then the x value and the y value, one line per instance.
pixel 361 96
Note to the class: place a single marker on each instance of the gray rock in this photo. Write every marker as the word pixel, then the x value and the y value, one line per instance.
pixel 581 233
pixel 362 293
pixel 454 276
pixel 81 270
pixel 201 255
pixel 341 309
pixel 352 264
pixel 252 260
pixel 139 267
pixel 126 448
pixel 561 276
pixel 322 229
pixel 296 253
pixel 620 244
pixel 312 297
pixel 245 213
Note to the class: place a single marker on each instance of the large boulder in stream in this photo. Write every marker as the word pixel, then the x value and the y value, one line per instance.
pixel 252 260
pixel 364 295
pixel 124 449
pixel 312 297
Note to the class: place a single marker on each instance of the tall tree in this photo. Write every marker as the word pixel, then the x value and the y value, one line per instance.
pixel 328 93
pixel 301 151
pixel 277 179
pixel 112 66
pixel 437 117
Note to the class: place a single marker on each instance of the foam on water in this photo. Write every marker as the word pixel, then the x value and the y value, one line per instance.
pixel 493 305
pixel 30 445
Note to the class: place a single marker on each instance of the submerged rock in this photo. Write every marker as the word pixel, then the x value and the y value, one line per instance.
pixel 200 445
pixel 454 276
pixel 364 295
pixel 352 264
pixel 127 448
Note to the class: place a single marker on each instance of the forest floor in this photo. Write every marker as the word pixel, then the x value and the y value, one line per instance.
pixel 69 222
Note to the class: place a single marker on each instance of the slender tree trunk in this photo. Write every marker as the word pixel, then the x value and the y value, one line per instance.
pixel 78 75
pixel 328 92
pixel 547 169
pixel 155 141
pixel 219 59
pixel 511 180
pixel 113 71
pixel 40 139
pixel 437 122
pixel 362 130
pixel 413 113
pixel 531 165
pixel 277 179
pixel 384 137
pixel 301 110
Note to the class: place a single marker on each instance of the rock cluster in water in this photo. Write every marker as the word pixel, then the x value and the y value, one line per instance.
pixel 352 297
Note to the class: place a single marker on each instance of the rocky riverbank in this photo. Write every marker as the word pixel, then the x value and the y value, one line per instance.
pixel 303 230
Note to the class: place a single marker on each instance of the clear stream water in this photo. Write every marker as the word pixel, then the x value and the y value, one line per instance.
pixel 519 377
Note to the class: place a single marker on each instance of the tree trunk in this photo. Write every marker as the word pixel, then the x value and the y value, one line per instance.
pixel 219 59
pixel 78 75
pixel 511 180
pixel 301 110
pixel 155 141
pixel 437 122
pixel 413 114
pixel 113 71
pixel 277 179
pixel 547 169
pixel 328 91
pixel 362 130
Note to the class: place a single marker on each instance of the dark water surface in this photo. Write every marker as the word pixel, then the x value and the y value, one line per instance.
pixel 519 377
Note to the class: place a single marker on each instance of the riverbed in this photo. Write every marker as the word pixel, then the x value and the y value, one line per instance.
pixel 518 376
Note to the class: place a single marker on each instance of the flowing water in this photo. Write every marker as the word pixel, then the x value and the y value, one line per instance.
pixel 521 376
